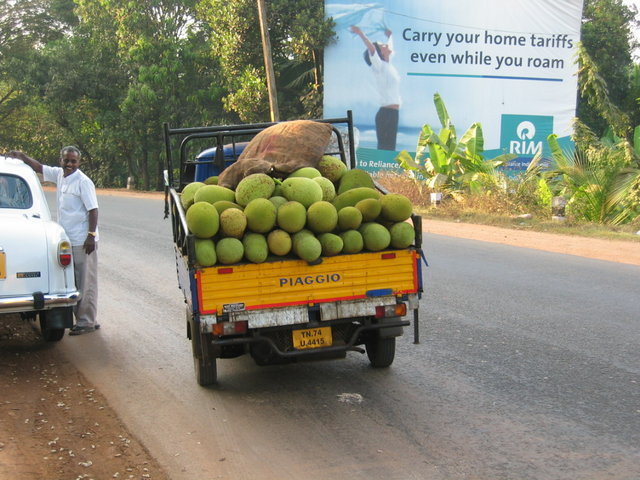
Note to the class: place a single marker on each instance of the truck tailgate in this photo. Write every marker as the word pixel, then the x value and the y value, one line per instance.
pixel 295 282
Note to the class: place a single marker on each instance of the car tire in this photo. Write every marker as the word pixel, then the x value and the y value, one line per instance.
pixel 50 334
pixel 381 351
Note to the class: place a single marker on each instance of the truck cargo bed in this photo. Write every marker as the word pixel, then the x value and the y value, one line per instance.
pixel 294 282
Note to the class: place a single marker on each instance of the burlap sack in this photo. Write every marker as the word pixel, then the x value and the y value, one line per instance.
pixel 279 150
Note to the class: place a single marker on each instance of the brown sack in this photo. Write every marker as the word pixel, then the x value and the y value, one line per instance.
pixel 279 150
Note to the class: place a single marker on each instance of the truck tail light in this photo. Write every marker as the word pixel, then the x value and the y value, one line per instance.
pixel 229 328
pixel 64 254
pixel 398 310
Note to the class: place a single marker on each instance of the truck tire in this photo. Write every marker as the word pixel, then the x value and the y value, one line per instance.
pixel 205 368
pixel 381 351
pixel 49 334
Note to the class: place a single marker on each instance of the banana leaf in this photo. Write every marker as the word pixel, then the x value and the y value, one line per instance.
pixel 406 161
pixel 441 110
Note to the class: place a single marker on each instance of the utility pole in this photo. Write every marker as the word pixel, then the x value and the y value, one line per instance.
pixel 268 64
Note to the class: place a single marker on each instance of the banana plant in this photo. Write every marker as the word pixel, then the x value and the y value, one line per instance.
pixel 447 163
pixel 597 180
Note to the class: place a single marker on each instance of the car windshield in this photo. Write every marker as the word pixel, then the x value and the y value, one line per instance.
pixel 14 192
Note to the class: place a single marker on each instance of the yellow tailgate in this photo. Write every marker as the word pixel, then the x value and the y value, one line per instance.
pixel 295 282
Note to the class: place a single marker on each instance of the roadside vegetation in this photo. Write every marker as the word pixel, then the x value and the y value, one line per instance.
pixel 592 189
pixel 503 209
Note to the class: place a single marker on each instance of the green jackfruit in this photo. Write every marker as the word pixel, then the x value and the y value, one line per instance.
pixel 205 252
pixel 203 220
pixel 332 168
pixel 261 215
pixel 291 216
pixel 354 178
pixel 279 242
pixel 233 223
pixel 222 205
pixel 213 180
pixel 374 236
pixel 307 247
pixel 308 172
pixel 353 196
pixel 188 192
pixel 301 234
pixel 213 194
pixel 370 209
pixel 353 242
pixel 301 189
pixel 395 207
pixel 229 250
pixel 322 217
pixel 402 235
pixel 328 189
pixel 349 218
pixel 331 244
pixel 256 185
pixel 278 200
pixel 255 246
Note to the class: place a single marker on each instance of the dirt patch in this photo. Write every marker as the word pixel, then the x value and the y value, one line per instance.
pixel 53 423
pixel 610 250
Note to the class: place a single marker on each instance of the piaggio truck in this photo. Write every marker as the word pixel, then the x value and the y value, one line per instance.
pixel 285 309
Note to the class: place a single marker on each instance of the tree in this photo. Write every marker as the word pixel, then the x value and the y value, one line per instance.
pixel 169 76
pixel 593 88
pixel 607 36
pixel 25 25
pixel 298 36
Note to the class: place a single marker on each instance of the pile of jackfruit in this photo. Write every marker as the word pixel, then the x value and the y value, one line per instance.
pixel 312 213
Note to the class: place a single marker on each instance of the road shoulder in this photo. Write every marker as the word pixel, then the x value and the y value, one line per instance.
pixel 609 250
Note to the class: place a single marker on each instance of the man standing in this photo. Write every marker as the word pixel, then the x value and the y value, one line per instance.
pixel 78 214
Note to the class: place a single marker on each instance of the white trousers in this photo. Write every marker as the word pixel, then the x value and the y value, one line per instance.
pixel 86 274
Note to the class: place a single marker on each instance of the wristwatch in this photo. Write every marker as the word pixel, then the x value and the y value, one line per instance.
pixel 93 234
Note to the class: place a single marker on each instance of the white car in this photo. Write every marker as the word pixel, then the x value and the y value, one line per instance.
pixel 36 266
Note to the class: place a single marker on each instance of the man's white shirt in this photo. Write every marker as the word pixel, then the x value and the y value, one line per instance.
pixel 75 196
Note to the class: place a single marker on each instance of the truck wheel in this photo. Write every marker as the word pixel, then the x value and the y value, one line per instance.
pixel 205 368
pixel 381 352
pixel 49 334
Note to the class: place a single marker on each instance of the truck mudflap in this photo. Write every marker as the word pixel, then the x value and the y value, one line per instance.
pixel 286 283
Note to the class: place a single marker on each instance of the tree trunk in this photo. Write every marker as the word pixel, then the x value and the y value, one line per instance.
pixel 145 168
pixel 160 174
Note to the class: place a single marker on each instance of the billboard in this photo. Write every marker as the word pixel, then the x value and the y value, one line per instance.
pixel 509 65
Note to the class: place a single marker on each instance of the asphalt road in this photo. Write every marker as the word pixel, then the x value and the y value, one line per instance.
pixel 528 368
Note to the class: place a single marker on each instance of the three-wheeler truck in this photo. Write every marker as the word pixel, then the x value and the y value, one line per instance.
pixel 286 309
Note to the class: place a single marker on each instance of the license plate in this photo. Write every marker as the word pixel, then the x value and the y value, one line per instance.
pixel 312 338
pixel 3 265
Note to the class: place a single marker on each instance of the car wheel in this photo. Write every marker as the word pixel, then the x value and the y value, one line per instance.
pixel 49 334
pixel 381 351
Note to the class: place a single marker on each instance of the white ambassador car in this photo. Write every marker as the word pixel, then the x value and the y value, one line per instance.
pixel 36 267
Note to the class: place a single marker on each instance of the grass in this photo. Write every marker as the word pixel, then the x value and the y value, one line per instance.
pixel 501 210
